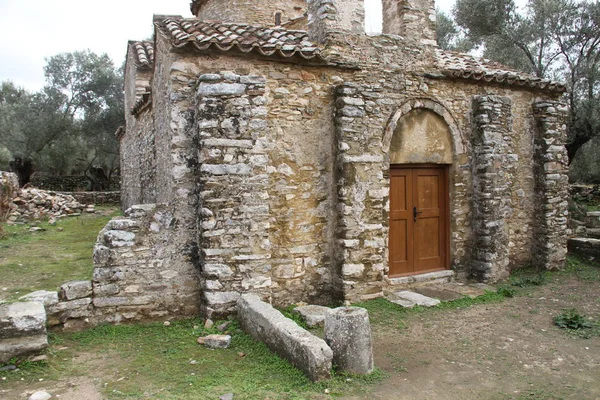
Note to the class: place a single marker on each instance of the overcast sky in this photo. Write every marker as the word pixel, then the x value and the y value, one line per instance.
pixel 33 30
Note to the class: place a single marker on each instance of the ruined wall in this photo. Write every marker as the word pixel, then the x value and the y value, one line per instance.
pixel 254 12
pixel 137 143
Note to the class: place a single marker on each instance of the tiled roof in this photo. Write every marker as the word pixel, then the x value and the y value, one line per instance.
pixel 464 66
pixel 144 54
pixel 245 38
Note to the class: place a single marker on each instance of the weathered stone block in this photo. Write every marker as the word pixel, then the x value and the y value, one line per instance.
pixel 75 290
pixel 43 296
pixel 314 316
pixel 348 333
pixel 304 350
pixel 221 89
pixel 22 346
pixel 22 319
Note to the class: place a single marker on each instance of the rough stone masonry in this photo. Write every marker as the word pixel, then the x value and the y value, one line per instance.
pixel 265 143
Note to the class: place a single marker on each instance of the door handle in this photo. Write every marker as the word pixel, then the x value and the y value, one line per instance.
pixel 416 214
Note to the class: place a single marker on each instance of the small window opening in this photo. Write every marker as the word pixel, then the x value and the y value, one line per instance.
pixel 278 15
pixel 373 17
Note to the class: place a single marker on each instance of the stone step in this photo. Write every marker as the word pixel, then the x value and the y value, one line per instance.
pixel 431 278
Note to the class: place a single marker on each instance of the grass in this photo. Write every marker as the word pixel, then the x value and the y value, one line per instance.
pixel 583 269
pixel 165 362
pixel 31 261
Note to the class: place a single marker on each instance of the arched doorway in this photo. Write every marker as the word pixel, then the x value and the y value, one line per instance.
pixel 421 153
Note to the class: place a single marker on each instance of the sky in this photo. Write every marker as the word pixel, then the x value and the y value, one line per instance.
pixel 33 30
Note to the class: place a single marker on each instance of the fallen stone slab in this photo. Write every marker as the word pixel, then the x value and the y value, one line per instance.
pixel 22 319
pixel 302 349
pixel 402 302
pixel 45 297
pixel 22 346
pixel 314 316
pixel 439 292
pixel 417 298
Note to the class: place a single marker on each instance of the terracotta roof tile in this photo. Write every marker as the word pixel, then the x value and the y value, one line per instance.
pixel 245 38
pixel 464 66
pixel 144 54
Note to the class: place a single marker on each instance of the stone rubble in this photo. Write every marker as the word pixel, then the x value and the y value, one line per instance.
pixel 215 341
pixel 314 316
pixel 31 204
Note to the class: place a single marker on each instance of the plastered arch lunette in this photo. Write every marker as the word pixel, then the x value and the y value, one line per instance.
pixel 458 145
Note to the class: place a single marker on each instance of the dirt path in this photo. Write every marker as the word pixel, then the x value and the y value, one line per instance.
pixel 499 351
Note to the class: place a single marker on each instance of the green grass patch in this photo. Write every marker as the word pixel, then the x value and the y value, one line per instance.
pixel 165 362
pixel 31 261
pixel 583 269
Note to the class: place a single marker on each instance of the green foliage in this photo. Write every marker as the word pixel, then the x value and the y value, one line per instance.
pixel 552 39
pixel 571 319
pixel 70 123
pixel 577 324
pixel 506 291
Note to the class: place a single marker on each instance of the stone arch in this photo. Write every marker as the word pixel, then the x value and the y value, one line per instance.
pixel 457 141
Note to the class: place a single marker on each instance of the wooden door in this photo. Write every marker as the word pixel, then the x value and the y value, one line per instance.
pixel 418 219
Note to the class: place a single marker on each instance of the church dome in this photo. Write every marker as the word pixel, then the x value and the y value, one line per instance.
pixel 254 12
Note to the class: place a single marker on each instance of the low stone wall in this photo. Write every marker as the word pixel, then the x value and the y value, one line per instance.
pixel 97 198
pixel 68 183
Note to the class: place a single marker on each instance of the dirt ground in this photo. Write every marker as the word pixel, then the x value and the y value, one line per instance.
pixel 509 350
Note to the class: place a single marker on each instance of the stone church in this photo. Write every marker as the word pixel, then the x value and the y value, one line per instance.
pixel 274 147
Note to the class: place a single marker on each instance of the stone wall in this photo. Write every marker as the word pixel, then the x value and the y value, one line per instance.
pixel 138 161
pixel 68 183
pixel 136 274
pixel 98 198
pixel 493 164
pixel 254 12
pixel 552 184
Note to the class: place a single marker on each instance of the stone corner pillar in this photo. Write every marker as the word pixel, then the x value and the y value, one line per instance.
pixel 363 191
pixel 493 173
pixel 551 184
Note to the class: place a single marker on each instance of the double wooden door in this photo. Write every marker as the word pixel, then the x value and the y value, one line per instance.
pixel 418 219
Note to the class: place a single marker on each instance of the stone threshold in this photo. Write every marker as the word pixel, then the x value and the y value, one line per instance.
pixel 428 278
